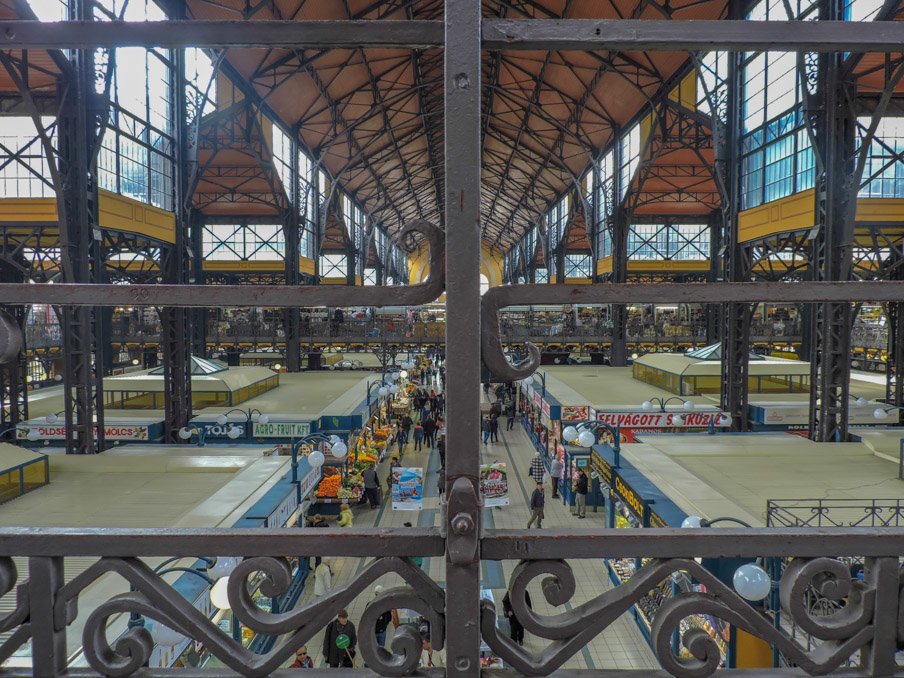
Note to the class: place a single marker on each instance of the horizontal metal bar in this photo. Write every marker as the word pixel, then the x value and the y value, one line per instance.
pixel 288 34
pixel 495 545
pixel 72 672
pixel 498 34
pixel 38 541
pixel 692 543
pixel 631 34
pixel 701 293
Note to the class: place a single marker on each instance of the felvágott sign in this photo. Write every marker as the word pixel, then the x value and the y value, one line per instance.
pixel 660 419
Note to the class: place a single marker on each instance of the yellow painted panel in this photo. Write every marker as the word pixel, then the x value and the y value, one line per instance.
pixel 124 214
pixel 256 266
pixel 880 209
pixel 306 265
pixel 792 213
pixel 339 281
pixel 30 210
pixel 685 93
pixel 604 265
pixel 578 281
pixel 689 265
pixel 750 651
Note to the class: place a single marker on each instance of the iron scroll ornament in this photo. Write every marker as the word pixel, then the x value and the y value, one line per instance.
pixel 17 619
pixel 497 298
pixel 844 633
pixel 277 296
pixel 157 600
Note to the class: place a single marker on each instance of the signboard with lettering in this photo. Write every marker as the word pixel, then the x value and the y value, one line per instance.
pixel 538 400
pixel 111 431
pixel 660 419
pixel 602 467
pixel 788 414
pixel 544 407
pixel 281 513
pixel 214 430
pixel 629 497
pixel 656 521
pixel 281 429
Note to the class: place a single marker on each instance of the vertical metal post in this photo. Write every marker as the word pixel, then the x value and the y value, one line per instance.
pixel 894 383
pixel 175 261
pixel 199 316
pixel 618 356
pixel 711 311
pixel 831 254
pixel 462 521
pixel 13 375
pixel 48 643
pixel 79 248
pixel 878 658
pixel 291 227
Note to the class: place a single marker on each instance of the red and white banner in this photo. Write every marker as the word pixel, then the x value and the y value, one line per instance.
pixel 652 420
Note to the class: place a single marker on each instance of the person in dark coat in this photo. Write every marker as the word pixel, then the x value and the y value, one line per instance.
pixel 516 630
pixel 335 657
pixel 429 431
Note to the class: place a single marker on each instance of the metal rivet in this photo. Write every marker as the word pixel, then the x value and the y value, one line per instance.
pixel 462 524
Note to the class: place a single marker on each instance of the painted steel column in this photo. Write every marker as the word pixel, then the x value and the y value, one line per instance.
pixel 735 317
pixel 894 384
pixel 175 322
pixel 291 224
pixel 463 515
pixel 831 254
pixel 79 250
pixel 13 383
pixel 618 356
pixel 199 316
pixel 711 311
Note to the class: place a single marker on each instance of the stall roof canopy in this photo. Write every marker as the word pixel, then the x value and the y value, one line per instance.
pixel 714 352
pixel 677 363
pixel 198 366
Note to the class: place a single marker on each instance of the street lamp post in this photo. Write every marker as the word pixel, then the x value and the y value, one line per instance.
pixel 186 432
pixel 587 435
pixel 251 416
pixel 337 448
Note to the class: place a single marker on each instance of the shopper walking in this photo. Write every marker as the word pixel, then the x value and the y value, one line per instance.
pixel 323 578
pixel 441 481
pixel 371 486
pixel 556 468
pixel 494 428
pixel 537 468
pixel 418 437
pixel 485 429
pixel 510 420
pixel 430 432
pixel 346 519
pixel 302 660
pixel 580 494
pixel 516 629
pixel 406 427
pixel 537 502
pixel 441 448
pixel 383 621
pixel 334 655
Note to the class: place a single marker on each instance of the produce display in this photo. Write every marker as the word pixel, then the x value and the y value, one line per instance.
pixel 329 486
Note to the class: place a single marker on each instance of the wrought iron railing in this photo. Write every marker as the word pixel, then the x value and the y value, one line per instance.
pixel 867 625
pixel 835 513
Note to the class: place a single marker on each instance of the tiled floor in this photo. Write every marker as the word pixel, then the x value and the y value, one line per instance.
pixel 620 646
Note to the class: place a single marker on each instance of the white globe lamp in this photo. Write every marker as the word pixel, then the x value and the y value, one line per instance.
pixel 646 406
pixel 185 433
pixel 335 440
pixel 724 420
pixel 223 567
pixel 382 391
pixel 860 402
pixel 219 594
pixel 692 522
pixel 879 413
pixel 570 433
pixel 263 419
pixel 393 389
pixel 164 635
pixel 315 459
pixel 33 434
pixel 752 582
pixel 233 432
pixel 586 439
pixel 222 419
pixel 52 418
pixel 688 406
pixel 339 450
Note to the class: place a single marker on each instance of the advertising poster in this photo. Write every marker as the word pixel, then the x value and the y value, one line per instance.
pixel 575 413
pixel 407 488
pixel 494 484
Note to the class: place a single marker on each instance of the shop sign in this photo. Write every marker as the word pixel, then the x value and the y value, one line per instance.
pixel 538 400
pixel 217 431
pixel 629 497
pixel 544 407
pixel 111 432
pixel 656 521
pixel 281 429
pixel 575 413
pixel 660 419
pixel 309 482
pixel 280 515
pixel 796 414
pixel 602 467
